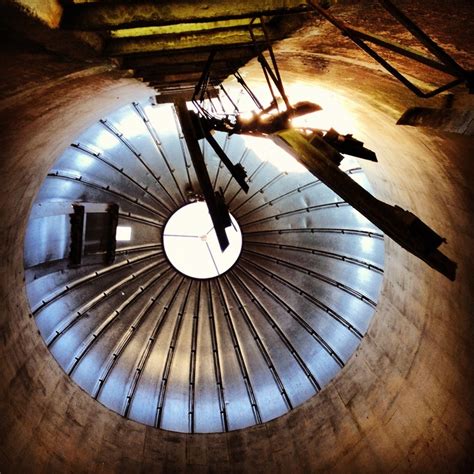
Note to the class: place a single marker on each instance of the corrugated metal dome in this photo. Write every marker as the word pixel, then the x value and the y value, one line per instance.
pixel 187 354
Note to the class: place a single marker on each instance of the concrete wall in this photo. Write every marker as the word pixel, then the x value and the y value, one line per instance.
pixel 403 402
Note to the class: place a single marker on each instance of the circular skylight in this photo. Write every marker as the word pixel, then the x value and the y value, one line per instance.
pixel 191 244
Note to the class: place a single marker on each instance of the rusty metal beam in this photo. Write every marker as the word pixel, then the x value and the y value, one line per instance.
pixel 400 49
pixel 237 171
pixel 170 94
pixel 108 16
pixel 433 47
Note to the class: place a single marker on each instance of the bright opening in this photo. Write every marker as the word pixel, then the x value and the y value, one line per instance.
pixel 123 234
pixel 191 245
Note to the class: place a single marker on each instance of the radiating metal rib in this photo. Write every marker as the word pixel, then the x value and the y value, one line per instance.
pixel 127 337
pixel 100 156
pixel 293 351
pixel 215 357
pixel 126 345
pixel 299 189
pixel 156 140
pixel 114 131
pixel 268 184
pixel 108 320
pixel 91 277
pixel 319 276
pixel 318 230
pixel 69 321
pixel 192 359
pixel 170 356
pixel 142 220
pixel 238 353
pixel 107 189
pixel 138 248
pixel 184 150
pixel 302 210
pixel 146 351
pixel 299 319
pixel 322 253
pixel 258 340
pixel 336 316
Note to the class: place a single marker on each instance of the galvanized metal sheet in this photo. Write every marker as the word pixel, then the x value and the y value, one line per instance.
pixel 199 355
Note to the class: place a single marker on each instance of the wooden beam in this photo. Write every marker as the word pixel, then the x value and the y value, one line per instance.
pixel 159 58
pixel 186 68
pixel 402 226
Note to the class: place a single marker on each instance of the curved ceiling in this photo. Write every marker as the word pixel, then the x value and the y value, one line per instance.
pixel 194 355
pixel 404 400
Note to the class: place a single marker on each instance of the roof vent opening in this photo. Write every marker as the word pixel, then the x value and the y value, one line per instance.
pixel 191 244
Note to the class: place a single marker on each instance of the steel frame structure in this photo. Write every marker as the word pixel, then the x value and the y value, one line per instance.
pixel 443 62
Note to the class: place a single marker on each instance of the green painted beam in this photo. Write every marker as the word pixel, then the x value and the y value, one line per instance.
pixel 113 16
pixel 181 28
pixel 208 40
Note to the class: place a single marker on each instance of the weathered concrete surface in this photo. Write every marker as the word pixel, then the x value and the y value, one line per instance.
pixel 97 16
pixel 404 401
pixel 38 21
pixel 48 12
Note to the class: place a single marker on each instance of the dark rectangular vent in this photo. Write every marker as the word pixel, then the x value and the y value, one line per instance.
pixel 93 229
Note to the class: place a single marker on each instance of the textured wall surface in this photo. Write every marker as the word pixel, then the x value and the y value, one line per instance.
pixel 403 402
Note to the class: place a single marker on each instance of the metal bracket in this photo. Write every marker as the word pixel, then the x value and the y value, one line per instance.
pixel 217 208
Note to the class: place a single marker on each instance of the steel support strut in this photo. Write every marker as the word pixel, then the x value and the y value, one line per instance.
pixel 215 201
pixel 402 226
pixel 445 62
pixel 237 171
pixel 274 74
pixel 202 129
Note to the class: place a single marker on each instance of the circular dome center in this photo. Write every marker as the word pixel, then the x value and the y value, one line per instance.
pixel 191 245
pixel 194 352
